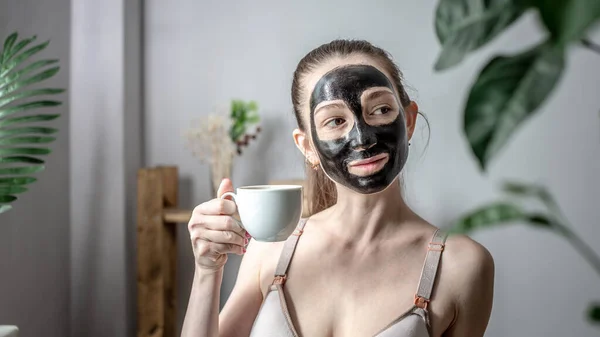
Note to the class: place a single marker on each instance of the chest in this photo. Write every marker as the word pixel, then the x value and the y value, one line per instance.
pixel 360 295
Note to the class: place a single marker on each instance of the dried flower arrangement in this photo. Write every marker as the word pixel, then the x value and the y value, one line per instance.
pixel 216 139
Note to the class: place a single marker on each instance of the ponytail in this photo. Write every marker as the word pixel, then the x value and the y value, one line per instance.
pixel 321 191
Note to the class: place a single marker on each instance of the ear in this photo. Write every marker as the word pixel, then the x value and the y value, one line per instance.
pixel 303 144
pixel 412 110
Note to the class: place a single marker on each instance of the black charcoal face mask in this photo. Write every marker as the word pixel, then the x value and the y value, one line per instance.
pixel 363 141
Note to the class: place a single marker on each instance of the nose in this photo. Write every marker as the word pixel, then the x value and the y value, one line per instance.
pixel 363 137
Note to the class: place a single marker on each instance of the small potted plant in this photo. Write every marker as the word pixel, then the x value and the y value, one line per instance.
pixel 217 138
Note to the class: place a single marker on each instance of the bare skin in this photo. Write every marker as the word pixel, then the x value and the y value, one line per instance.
pixel 356 267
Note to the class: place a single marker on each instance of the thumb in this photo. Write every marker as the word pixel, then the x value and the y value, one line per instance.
pixel 226 186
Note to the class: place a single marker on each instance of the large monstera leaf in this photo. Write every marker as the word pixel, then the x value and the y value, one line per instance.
pixel 510 88
pixel 463 26
pixel 508 91
pixel 23 135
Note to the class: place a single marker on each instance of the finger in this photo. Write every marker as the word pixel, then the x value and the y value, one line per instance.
pixel 216 207
pixel 205 247
pixel 227 248
pixel 220 223
pixel 228 237
pixel 226 186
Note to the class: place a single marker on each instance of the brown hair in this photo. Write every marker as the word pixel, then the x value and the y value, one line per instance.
pixel 320 189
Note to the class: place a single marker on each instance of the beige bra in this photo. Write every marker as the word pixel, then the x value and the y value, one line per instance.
pixel 274 320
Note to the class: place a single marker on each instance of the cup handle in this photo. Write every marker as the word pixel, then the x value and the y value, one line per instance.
pixel 233 196
pixel 230 194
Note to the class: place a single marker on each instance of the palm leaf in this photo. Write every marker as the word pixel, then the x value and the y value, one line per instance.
pixel 22 170
pixel 23 135
pixel 18 59
pixel 29 94
pixel 16 181
pixel 20 159
pixel 12 189
pixel 18 83
pixel 26 130
pixel 30 139
pixel 28 119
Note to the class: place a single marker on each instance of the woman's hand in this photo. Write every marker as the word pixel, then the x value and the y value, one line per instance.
pixel 215 233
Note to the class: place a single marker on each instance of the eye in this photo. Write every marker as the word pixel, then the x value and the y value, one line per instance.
pixel 335 122
pixel 382 110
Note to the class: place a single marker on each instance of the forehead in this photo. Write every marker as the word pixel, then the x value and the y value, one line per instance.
pixel 348 83
pixel 311 80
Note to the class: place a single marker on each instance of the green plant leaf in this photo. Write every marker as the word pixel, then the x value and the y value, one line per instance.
pixel 9 65
pixel 23 150
pixel 253 119
pixel 567 20
pixel 28 94
pixel 4 190
pixel 540 220
pixel 19 83
pixel 28 119
pixel 5 208
pixel 26 71
pixel 487 216
pixel 252 106
pixel 523 189
pixel 500 214
pixel 27 106
pixel 22 170
pixel 508 91
pixel 26 140
pixel 12 181
pixel 8 54
pixel 6 132
pixel 8 44
pixel 463 26
pixel 594 313
pixel 20 159
pixel 7 198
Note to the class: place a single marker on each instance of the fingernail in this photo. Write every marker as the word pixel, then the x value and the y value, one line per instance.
pixel 243 249
pixel 246 242
pixel 248 236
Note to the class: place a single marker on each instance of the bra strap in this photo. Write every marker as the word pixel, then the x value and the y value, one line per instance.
pixel 430 267
pixel 286 254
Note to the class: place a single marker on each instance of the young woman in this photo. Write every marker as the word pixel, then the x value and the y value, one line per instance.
pixel 364 264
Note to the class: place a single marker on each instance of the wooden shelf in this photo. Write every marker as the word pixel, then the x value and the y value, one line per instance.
pixel 175 215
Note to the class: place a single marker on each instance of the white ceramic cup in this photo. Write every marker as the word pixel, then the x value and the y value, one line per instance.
pixel 269 213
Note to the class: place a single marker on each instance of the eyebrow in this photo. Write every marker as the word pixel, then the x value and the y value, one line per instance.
pixel 337 105
pixel 376 94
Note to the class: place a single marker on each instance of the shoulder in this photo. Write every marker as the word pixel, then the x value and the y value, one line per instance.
pixel 467 275
pixel 468 268
pixel 463 253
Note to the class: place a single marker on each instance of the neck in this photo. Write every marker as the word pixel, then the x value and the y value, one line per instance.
pixel 364 218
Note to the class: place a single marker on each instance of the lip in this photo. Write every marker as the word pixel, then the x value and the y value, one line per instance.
pixel 367 161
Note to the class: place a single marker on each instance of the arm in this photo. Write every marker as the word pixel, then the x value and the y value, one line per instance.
pixel 473 290
pixel 202 316
pixel 214 234
pixel 243 304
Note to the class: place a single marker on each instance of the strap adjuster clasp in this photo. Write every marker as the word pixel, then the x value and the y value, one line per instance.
pixel 279 279
pixel 435 246
pixel 421 302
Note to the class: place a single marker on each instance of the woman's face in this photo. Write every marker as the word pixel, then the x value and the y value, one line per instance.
pixel 357 126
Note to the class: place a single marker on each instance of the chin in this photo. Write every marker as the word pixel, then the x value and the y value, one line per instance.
pixel 370 187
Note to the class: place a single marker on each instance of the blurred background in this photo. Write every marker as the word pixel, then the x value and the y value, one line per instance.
pixel 142 76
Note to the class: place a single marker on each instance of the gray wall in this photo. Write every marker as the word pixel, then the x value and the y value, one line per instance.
pixel 34 236
pixel 200 55
pixel 106 152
